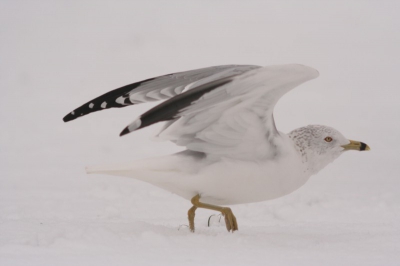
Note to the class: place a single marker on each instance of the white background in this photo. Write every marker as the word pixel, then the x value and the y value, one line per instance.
pixel 57 55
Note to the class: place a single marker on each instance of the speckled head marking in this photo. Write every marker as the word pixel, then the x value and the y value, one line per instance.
pixel 318 145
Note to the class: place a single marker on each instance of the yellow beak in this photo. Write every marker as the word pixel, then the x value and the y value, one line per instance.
pixel 356 145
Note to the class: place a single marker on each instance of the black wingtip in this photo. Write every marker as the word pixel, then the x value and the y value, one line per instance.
pixel 69 117
pixel 124 132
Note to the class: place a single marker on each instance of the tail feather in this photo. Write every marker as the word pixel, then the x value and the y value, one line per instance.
pixel 154 167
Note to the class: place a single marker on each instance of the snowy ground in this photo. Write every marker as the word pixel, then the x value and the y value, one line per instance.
pixel 55 56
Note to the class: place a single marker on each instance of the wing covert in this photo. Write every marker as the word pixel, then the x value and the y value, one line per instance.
pixel 233 118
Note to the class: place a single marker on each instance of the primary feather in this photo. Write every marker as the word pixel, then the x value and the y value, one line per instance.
pixel 156 89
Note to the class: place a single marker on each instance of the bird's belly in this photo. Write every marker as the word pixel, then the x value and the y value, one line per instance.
pixel 230 182
pixel 225 182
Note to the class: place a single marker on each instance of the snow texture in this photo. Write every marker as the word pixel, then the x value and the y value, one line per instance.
pixel 57 54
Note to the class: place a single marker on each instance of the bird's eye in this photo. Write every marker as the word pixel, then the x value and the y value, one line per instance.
pixel 328 139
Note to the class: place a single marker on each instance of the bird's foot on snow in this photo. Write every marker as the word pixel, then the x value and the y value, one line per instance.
pixel 230 219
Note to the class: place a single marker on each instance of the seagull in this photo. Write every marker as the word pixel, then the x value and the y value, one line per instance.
pixel 223 116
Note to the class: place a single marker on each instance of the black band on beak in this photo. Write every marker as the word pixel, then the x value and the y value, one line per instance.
pixel 363 146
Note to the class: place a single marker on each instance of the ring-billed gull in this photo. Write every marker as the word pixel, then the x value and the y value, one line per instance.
pixel 224 117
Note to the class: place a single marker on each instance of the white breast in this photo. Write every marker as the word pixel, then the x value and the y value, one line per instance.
pixel 233 182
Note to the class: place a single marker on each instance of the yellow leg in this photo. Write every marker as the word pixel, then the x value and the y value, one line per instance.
pixel 230 219
pixel 191 214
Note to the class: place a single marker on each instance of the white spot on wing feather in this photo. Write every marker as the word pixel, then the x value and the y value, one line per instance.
pixel 169 91
pixel 103 105
pixel 120 100
pixel 139 97
pixel 156 95
pixel 134 125
pixel 178 90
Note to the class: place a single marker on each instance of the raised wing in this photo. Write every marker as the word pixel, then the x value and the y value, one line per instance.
pixel 155 89
pixel 230 117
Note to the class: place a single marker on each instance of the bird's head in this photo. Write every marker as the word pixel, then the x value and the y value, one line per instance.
pixel 320 145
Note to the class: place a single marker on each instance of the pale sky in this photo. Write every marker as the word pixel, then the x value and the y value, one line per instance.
pixel 57 55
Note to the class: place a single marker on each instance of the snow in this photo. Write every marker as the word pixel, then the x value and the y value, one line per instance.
pixel 59 55
pixel 124 222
